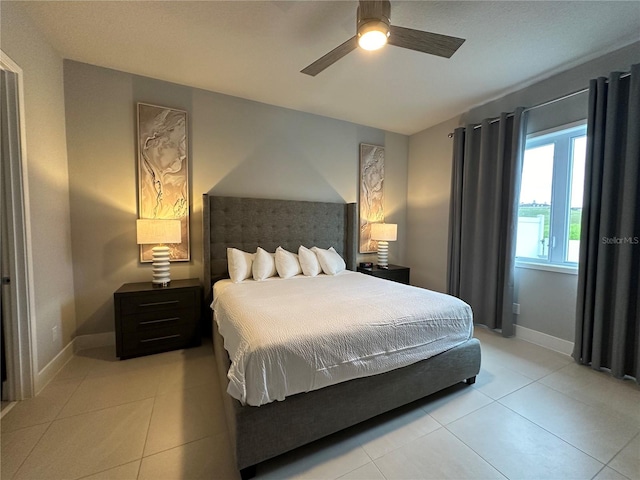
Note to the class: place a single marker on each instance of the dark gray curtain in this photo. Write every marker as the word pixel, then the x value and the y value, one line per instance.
pixel 608 305
pixel 487 166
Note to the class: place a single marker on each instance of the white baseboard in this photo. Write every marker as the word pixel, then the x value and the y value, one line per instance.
pixel 552 343
pixel 44 376
pixel 6 409
pixel 83 342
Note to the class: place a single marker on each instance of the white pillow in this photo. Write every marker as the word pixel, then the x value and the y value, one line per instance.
pixel 240 264
pixel 308 262
pixel 330 260
pixel 264 265
pixel 287 263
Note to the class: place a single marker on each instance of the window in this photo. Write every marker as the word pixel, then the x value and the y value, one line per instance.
pixel 550 209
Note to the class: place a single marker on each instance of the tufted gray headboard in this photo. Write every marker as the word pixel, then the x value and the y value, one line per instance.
pixel 249 223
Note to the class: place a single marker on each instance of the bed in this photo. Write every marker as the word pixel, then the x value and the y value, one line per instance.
pixel 260 433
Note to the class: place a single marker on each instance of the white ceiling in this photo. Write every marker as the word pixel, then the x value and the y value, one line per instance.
pixel 256 50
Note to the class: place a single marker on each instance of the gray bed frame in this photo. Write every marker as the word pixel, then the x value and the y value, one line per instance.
pixel 260 433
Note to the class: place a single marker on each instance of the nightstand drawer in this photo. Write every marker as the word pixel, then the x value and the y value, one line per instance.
pixel 160 318
pixel 152 302
pixel 159 340
pixel 401 276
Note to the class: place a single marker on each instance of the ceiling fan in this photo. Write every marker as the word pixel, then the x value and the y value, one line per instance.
pixel 374 30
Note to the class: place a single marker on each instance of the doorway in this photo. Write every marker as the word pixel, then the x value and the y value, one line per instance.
pixel 16 299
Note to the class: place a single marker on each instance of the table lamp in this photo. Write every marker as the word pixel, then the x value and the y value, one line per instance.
pixel 159 232
pixel 384 233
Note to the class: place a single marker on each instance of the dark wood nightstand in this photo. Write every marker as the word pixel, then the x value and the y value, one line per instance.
pixel 153 320
pixel 395 273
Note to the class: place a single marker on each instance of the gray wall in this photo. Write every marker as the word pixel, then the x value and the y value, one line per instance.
pixel 428 196
pixel 563 83
pixel 48 186
pixel 237 147
pixel 547 299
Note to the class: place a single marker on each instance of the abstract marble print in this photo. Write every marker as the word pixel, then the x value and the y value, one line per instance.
pixel 371 193
pixel 163 176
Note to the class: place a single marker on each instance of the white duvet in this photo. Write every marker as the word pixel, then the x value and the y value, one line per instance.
pixel 286 336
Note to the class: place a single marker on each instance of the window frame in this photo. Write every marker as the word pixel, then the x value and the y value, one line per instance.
pixel 561 182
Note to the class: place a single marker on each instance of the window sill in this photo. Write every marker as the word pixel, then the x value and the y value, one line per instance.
pixel 566 269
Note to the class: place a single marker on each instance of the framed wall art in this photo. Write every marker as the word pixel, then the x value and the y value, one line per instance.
pixel 371 193
pixel 163 172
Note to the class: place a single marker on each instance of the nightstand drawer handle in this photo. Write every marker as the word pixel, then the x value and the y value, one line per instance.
pixel 159 338
pixel 162 320
pixel 153 304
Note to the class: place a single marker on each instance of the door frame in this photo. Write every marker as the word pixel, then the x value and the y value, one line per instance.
pixel 20 331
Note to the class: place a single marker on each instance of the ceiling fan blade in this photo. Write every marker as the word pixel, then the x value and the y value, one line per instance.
pixel 427 42
pixel 332 57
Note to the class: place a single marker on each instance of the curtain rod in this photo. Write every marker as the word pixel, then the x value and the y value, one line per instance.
pixel 550 102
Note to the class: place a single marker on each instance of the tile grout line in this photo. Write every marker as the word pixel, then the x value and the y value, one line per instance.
pixel 551 433
pixel 442 426
pixel 379 471
pixel 511 369
pixel 70 396
pixel 103 408
pixel 471 448
pixel 618 453
pixel 597 404
pixel 598 472
pixel 207 435
pixel 579 400
pixel 106 470
pixel 88 377
pixel 58 418
pixel 400 446
pixel 183 444
pixel 48 426
pixel 542 428
pixel 32 448
pixel 146 437
pixel 477 389
pixel 142 456
pixel 351 471
pixel 468 413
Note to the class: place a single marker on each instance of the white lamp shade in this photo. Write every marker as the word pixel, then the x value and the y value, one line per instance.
pixel 384 231
pixel 153 231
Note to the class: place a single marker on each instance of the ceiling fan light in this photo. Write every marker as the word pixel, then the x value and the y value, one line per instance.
pixel 373 35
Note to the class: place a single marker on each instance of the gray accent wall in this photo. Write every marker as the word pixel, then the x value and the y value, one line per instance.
pixel 547 299
pixel 237 147
pixel 48 185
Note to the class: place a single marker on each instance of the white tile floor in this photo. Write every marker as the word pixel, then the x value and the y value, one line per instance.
pixel 532 414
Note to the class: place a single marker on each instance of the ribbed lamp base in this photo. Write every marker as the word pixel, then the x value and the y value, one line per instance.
pixel 383 254
pixel 161 266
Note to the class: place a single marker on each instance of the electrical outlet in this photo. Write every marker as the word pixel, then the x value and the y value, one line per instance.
pixel 516 308
pixel 55 334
